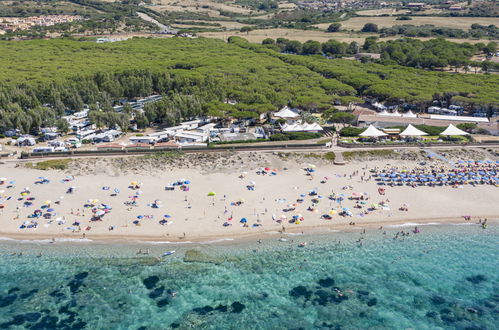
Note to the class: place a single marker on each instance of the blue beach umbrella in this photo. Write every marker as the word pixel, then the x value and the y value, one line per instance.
pixel 140 216
pixel 167 216
pixel 243 220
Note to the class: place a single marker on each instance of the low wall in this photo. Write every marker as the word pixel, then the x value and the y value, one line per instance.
pixel 77 153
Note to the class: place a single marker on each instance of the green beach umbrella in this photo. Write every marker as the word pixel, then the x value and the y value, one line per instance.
pixel 211 193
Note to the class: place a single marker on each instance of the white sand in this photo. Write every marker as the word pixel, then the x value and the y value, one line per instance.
pixel 204 220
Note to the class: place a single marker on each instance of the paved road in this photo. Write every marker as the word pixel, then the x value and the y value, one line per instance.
pixel 163 28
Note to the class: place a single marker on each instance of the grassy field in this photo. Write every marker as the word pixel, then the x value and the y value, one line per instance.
pixel 384 11
pixel 230 25
pixel 211 8
pixel 464 23
pixel 304 35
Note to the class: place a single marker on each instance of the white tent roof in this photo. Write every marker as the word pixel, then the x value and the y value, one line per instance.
pixel 409 114
pixel 372 131
pixel 392 114
pixel 453 130
pixel 412 131
pixel 301 127
pixel 286 112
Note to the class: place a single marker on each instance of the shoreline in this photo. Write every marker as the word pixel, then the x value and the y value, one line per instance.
pixel 324 229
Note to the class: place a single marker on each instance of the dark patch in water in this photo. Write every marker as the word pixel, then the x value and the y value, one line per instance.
pixel 32 317
pixel 28 294
pixel 203 310
pixel 477 279
pixel 150 282
pixel 438 300
pixel 16 320
pixel 81 276
pixel 174 325
pixel 15 289
pixel 338 299
pixel 322 297
pixel 326 282
pixel 162 302
pixel 237 307
pixel 57 294
pixel 300 291
pixel 372 302
pixel 7 300
pixel 142 328
pixel 221 308
pixel 77 282
pixel 156 293
pixel 47 322
pixel 432 314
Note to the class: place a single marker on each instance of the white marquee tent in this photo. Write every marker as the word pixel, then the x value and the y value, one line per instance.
pixel 372 131
pixel 412 131
pixel 286 113
pixel 409 114
pixel 453 130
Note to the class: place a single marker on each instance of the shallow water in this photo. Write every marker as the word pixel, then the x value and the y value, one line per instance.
pixel 444 277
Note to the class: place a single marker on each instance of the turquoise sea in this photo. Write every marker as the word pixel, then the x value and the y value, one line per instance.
pixel 446 277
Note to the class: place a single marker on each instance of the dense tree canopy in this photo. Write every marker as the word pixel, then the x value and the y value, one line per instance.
pixel 52 77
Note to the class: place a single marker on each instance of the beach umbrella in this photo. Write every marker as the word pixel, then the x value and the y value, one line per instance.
pixel 211 193
pixel 267 168
pixel 187 182
pixel 243 220
pixel 50 210
pixel 167 216
pixel 140 216
pixel 47 202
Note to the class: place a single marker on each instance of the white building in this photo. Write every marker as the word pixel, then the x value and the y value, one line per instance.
pixel 143 139
pixel 191 137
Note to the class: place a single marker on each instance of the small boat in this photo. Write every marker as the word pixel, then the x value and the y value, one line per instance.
pixel 168 253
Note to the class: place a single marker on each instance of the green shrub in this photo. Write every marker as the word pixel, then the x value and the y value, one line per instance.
pixel 279 137
pixel 351 131
pixel 53 164
pixel 431 130
pixel 303 135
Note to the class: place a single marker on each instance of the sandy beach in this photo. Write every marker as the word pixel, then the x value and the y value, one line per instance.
pixel 191 212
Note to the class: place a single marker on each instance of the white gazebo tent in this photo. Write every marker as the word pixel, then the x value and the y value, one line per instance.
pixel 412 131
pixel 286 113
pixel 409 114
pixel 453 130
pixel 372 131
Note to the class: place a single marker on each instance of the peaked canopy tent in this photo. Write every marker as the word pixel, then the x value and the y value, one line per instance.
pixel 286 113
pixel 372 131
pixel 412 131
pixel 409 114
pixel 453 130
